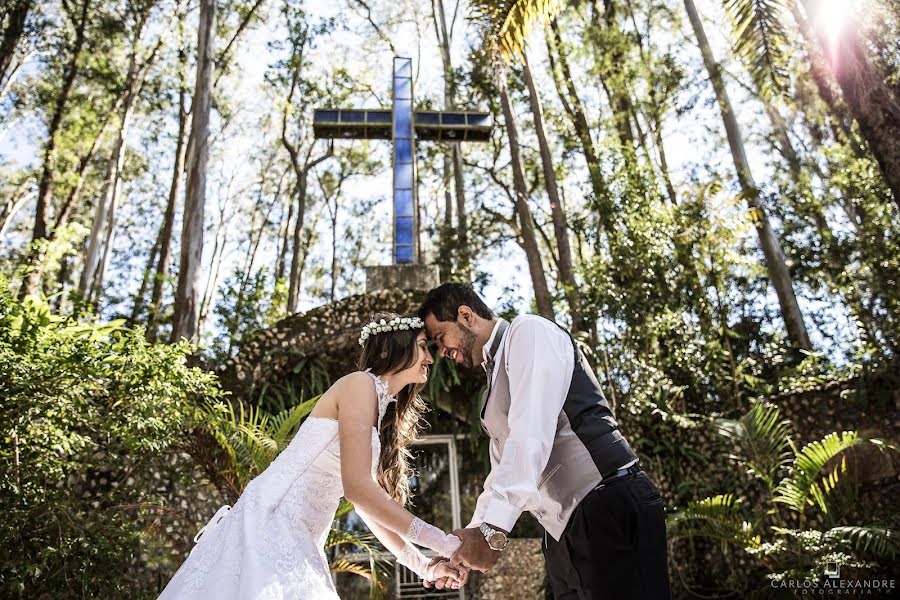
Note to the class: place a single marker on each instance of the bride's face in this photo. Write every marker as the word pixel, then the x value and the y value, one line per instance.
pixel 418 372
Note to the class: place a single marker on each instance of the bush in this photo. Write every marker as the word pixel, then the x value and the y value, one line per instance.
pixel 92 418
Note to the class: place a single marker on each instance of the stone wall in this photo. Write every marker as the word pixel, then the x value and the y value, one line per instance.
pixel 519 574
pixel 329 332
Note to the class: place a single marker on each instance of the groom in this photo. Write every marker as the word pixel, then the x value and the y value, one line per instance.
pixel 556 451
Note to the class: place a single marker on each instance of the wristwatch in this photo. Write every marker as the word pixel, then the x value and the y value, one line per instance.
pixel 497 540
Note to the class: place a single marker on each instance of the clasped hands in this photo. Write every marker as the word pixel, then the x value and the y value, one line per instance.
pixel 474 553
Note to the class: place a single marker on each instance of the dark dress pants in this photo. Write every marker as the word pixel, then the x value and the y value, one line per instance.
pixel 614 546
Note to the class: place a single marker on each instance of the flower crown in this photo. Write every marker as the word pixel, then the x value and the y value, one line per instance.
pixel 392 324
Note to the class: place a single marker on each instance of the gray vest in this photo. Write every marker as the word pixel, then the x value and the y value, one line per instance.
pixel 587 445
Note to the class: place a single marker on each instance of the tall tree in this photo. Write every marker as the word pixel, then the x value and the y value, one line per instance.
pixel 70 71
pixel 164 236
pixel 186 319
pixel 453 163
pixel 762 40
pixel 574 108
pixel 90 283
pixel 557 211
pixel 779 274
pixel 12 17
pixel 542 297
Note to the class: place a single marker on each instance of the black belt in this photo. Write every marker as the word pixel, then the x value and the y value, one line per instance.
pixel 624 472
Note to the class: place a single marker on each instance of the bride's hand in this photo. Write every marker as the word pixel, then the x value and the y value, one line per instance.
pixel 456 576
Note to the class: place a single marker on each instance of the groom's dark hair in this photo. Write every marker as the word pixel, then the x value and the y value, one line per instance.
pixel 444 301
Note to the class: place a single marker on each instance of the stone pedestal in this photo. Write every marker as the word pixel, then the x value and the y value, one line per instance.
pixel 404 277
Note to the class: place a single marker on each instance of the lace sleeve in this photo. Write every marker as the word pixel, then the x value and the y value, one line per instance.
pixel 415 561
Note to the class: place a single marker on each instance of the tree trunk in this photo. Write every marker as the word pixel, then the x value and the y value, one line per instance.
pixel 16 13
pixel 335 268
pixel 612 76
pixel 91 279
pixel 185 124
pixel 542 296
pixel 575 109
pixel 215 265
pixel 557 212
pixel 96 291
pixel 138 305
pixel 445 236
pixel 870 101
pixel 285 242
pixel 168 224
pixel 779 274
pixel 453 163
pixel 13 204
pixel 296 274
pixel 464 252
pixel 45 187
pixel 185 323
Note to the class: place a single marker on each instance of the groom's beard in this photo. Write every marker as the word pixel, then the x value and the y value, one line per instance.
pixel 466 345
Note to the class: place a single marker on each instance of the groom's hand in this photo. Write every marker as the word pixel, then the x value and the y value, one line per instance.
pixel 475 553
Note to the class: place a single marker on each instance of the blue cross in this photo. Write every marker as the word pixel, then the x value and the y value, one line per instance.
pixel 403 125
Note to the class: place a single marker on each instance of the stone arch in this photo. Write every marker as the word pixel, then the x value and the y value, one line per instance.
pixel 329 332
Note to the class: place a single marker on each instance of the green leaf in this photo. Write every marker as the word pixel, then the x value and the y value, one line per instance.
pixel 506 24
pixel 804 487
pixel 760 39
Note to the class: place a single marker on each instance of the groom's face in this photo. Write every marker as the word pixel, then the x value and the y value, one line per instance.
pixel 455 340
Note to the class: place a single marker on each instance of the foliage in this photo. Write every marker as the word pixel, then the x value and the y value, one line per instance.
pixel 507 23
pixel 247 305
pixel 251 438
pixel 814 485
pixel 761 40
pixel 91 416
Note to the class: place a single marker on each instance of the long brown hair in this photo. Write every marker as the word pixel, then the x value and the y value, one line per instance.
pixel 390 352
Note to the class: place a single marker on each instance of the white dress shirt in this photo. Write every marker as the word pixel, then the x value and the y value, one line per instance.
pixel 539 360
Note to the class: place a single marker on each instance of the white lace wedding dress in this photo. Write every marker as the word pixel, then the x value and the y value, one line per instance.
pixel 269 545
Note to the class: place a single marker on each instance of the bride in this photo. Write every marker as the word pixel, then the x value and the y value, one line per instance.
pixel 353 444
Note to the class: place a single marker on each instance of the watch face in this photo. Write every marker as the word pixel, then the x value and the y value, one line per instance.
pixel 497 541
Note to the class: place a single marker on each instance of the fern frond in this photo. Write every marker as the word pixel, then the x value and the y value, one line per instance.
pixel 285 424
pixel 341 537
pixel 718 517
pixel 763 440
pixel 804 487
pixel 343 508
pixel 880 541
pixel 760 39
pixel 345 566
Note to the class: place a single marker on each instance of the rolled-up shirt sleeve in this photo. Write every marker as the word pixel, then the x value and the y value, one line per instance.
pixel 539 361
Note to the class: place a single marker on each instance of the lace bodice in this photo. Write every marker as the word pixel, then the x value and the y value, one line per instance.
pixel 280 523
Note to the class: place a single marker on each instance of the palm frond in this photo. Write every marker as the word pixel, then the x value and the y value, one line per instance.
pixel 763 440
pixel 507 24
pixel 343 508
pixel 806 485
pixel 250 437
pixel 760 39
pixel 880 541
pixel 345 566
pixel 718 517
pixel 342 537
pixel 285 423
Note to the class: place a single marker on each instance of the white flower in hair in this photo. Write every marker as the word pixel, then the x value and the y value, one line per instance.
pixel 394 324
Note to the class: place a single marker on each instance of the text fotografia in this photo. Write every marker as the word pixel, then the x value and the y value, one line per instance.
pixel 837 587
